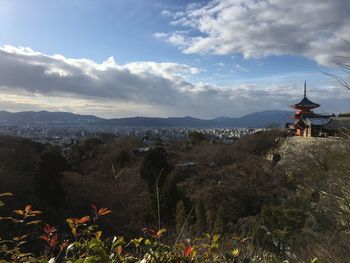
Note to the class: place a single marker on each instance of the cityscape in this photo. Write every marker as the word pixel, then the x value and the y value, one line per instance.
pixel 64 135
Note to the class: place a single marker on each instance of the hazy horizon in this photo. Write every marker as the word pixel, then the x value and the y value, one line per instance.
pixel 140 116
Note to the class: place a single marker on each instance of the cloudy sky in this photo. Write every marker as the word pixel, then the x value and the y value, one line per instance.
pixel 118 58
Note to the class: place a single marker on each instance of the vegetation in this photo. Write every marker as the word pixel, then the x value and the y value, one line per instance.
pixel 234 203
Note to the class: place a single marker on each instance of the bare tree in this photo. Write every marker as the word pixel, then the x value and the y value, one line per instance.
pixel 343 63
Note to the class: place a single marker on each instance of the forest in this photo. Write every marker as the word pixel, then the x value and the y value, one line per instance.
pixel 191 201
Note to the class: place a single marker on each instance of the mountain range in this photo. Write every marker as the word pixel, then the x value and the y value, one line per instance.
pixel 254 120
pixel 45 117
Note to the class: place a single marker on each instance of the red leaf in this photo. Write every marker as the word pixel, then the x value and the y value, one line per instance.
pixel 187 251
pixel 82 220
pixel 104 211
pixel 48 229
pixel 94 207
pixel 53 241
pixel 45 238
pixel 150 231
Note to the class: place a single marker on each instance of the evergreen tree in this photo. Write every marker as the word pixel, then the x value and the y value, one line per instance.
pixel 122 160
pixel 196 137
pixel 219 223
pixel 169 197
pixel 201 220
pixel 155 164
pixel 47 181
pixel 180 215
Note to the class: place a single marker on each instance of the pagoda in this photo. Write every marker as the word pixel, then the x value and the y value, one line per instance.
pixel 305 118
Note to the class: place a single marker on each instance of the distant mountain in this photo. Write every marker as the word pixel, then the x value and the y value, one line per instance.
pixel 264 119
pixel 255 120
pixel 45 117
pixel 181 122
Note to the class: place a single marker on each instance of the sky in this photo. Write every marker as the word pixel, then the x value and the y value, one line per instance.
pixel 122 58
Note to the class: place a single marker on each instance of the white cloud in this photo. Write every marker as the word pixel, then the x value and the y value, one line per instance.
pixel 33 80
pixel 259 28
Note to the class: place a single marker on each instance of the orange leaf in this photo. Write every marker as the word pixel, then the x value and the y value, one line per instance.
pixel 119 249
pixel 104 211
pixel 36 212
pixel 33 222
pixel 187 251
pixel 83 220
pixel 19 212
pixel 160 232
pixel 28 208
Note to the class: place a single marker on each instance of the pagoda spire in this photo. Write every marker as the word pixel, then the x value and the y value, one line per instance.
pixel 305 89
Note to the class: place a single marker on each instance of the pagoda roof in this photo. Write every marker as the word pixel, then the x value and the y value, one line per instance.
pixel 305 102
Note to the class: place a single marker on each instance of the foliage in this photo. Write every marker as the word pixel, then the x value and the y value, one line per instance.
pixel 180 218
pixel 219 224
pixel 13 248
pixel 201 218
pixel 86 244
pixel 196 137
pixel 123 159
pixel 155 164
pixel 47 182
pixel 297 207
pixel 277 226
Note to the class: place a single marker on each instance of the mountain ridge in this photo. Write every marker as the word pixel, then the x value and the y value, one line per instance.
pixel 253 120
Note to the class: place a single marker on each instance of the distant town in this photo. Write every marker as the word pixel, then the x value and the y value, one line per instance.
pixel 66 134
pixel 64 128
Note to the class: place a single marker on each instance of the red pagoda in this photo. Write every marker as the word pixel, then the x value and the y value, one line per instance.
pixel 306 121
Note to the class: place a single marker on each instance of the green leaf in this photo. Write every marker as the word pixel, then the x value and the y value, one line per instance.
pixel 137 241
pixel 98 234
pixel 216 237
pixel 118 241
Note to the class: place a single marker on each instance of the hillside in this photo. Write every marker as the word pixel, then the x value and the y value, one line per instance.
pixel 232 190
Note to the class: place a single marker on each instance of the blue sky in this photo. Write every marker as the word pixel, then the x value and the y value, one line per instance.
pixel 170 58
